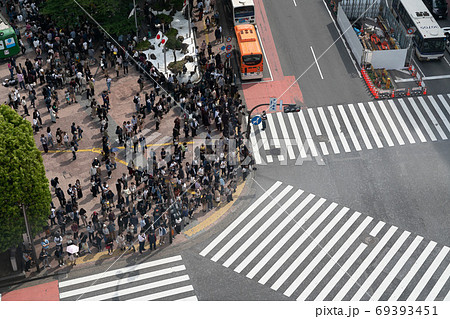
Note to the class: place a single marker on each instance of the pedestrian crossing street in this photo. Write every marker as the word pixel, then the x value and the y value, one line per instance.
pixel 352 127
pixel 163 279
pixel 309 248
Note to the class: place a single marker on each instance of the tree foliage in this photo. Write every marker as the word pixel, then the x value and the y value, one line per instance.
pixel 112 15
pixel 22 180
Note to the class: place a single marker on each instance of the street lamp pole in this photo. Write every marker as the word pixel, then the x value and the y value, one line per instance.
pixel 30 239
pixel 135 20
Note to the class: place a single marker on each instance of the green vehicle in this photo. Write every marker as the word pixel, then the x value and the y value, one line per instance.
pixel 9 45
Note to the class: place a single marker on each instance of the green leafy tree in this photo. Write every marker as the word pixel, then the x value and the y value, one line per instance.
pixel 112 15
pixel 22 180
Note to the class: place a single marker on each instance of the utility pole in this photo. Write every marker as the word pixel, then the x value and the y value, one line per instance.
pixel 30 239
pixel 189 17
pixel 135 19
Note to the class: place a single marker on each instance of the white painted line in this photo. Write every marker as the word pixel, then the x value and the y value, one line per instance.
pixel 355 64
pixel 262 229
pixel 295 3
pixel 439 112
pixel 444 102
pixel 292 248
pixel 428 274
pixel 239 220
pixel 251 223
pixel 443 279
pixel 328 130
pixel 412 121
pixel 360 127
pixel 285 134
pixel 338 129
pixel 268 239
pixel 119 272
pixel 447 297
pixel 163 294
pixel 317 63
pixel 381 266
pixel 127 280
pixel 312 116
pixel 309 139
pixel 273 130
pixel 308 250
pixel 349 128
pixel 341 272
pixel 325 250
pixel 381 124
pixel 412 272
pixel 391 123
pixel 298 139
pixel 401 121
pixel 447 61
pixel 334 259
pixel 363 266
pixel 376 295
pixel 377 229
pixel 276 248
pixel 324 148
pixel 255 148
pixel 138 288
pixel 422 119
pixel 265 144
pixel 264 52
pixel 370 125
pixel 425 78
pixel 192 298
pixel 432 118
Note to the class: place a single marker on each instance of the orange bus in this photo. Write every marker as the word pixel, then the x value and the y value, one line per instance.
pixel 250 53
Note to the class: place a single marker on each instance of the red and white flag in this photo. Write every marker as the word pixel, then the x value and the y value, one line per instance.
pixel 159 37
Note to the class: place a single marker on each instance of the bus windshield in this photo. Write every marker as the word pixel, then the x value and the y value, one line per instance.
pixel 432 45
pixel 252 59
pixel 440 4
pixel 243 12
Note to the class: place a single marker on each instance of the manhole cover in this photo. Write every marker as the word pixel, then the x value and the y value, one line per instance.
pixel 275 151
pixel 370 240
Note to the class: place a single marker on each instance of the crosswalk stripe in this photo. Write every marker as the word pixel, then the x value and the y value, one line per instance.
pixel 274 132
pixel 342 271
pixel 432 118
pixel 298 139
pixel 191 298
pixel 316 126
pixel 444 102
pixel 118 272
pixel 285 134
pixel 412 121
pixel 363 266
pixel 381 124
pixel 321 254
pixel 286 236
pixel 370 125
pixel 138 288
pixel 238 220
pixel 360 127
pixel 413 271
pixel 265 144
pixel 443 279
pixel 333 261
pixel 396 269
pixel 165 293
pixel 440 113
pixel 260 230
pixel 122 281
pixel 298 242
pixel 377 229
pixel 363 288
pixel 324 148
pixel 402 122
pixel 391 123
pixel 447 297
pixel 338 129
pixel 427 275
pixel 315 242
pixel 251 223
pixel 309 139
pixel 255 148
pixel 328 130
pixel 422 119
pixel 349 128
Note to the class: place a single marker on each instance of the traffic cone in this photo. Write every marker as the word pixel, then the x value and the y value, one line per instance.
pixel 410 67
pixel 424 91
pixel 377 96
pixel 408 93
pixel 393 94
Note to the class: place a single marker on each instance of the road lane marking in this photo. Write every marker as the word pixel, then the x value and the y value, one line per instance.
pixel 296 131
pixel 439 285
pixel 381 124
pixel 440 113
pixel 349 128
pixel 370 125
pixel 285 135
pixel 317 63
pixel 422 119
pixel 329 131
pixel 391 123
pixel 402 122
pixel 432 118
pixel 337 126
pixel 361 129
pixel 309 139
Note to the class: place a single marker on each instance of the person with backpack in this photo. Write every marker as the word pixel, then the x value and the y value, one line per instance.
pixel 43 257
